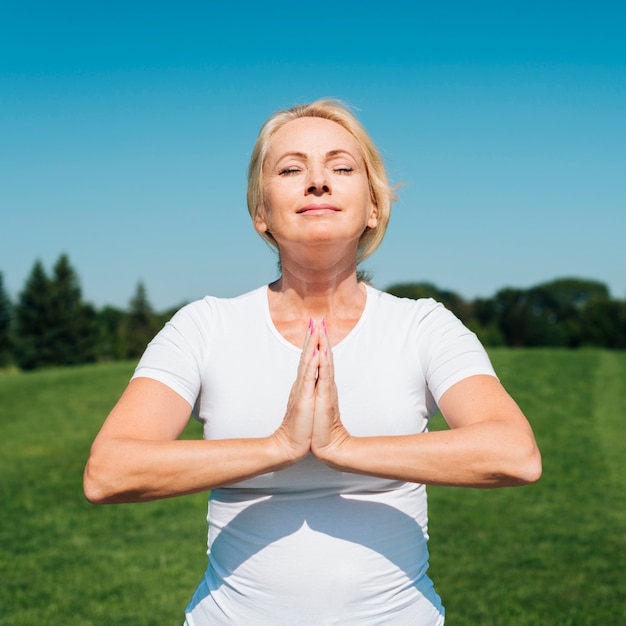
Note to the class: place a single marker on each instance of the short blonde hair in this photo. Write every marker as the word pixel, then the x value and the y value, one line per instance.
pixel 381 193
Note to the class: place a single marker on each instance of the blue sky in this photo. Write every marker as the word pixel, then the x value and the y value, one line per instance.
pixel 126 128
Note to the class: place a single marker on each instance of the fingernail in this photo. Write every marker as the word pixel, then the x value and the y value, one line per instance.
pixel 324 325
pixel 314 351
pixel 311 325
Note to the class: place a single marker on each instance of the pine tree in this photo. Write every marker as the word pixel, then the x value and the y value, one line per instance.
pixel 139 324
pixel 34 346
pixel 53 325
pixel 73 322
pixel 5 325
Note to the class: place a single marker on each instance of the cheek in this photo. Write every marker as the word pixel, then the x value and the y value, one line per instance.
pixel 271 194
pixel 278 197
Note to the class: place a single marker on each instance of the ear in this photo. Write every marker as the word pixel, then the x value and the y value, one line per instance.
pixel 372 220
pixel 260 223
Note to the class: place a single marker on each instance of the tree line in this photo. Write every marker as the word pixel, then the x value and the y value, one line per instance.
pixel 565 313
pixel 50 324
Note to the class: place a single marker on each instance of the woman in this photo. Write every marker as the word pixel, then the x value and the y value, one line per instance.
pixel 315 395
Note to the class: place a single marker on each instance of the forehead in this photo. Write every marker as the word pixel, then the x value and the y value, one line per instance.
pixel 311 135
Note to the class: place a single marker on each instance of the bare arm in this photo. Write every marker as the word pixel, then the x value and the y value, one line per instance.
pixel 490 443
pixel 137 456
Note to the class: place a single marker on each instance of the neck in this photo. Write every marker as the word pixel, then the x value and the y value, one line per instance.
pixel 319 290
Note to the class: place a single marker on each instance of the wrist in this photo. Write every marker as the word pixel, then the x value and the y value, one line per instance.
pixel 337 453
pixel 282 450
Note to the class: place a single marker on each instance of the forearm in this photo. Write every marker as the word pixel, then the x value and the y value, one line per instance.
pixel 484 454
pixel 135 470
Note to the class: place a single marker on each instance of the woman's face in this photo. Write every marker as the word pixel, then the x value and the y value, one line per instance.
pixel 315 186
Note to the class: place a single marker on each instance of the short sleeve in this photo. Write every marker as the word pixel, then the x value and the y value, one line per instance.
pixel 449 351
pixel 174 357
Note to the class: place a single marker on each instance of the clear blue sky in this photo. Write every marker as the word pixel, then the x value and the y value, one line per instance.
pixel 126 127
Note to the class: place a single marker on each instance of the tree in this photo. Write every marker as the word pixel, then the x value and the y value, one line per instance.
pixel 565 300
pixel 529 317
pixel 53 325
pixel 603 323
pixel 32 323
pixel 109 320
pixel 139 325
pixel 6 315
pixel 74 322
pixel 549 314
pixel 574 293
pixel 484 322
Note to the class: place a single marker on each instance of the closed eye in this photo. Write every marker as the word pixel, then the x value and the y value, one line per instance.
pixel 289 171
pixel 343 170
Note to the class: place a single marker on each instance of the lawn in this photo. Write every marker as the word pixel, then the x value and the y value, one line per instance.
pixel 64 561
pixel 552 553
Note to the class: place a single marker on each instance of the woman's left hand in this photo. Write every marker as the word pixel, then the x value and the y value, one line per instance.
pixel 328 431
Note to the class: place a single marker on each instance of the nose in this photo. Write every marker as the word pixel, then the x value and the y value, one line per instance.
pixel 317 182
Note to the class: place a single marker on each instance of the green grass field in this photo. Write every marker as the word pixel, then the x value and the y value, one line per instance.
pixel 553 553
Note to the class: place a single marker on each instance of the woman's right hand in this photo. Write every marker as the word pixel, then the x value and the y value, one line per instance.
pixel 294 434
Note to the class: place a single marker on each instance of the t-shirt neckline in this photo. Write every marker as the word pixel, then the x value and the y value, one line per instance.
pixel 369 299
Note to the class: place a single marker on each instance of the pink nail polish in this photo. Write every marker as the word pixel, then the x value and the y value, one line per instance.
pixel 324 325
pixel 314 351
pixel 311 325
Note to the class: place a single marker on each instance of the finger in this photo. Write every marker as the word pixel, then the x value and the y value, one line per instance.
pixel 326 391
pixel 327 368
pixel 308 356
pixel 327 426
pixel 297 424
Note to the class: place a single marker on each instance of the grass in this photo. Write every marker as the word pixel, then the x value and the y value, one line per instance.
pixel 62 560
pixel 552 553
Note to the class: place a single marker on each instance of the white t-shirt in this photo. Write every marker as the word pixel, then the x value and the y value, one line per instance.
pixel 309 545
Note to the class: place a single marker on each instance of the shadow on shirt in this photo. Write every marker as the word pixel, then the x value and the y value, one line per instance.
pixel 302 530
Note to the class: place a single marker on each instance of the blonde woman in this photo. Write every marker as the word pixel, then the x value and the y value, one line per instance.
pixel 315 394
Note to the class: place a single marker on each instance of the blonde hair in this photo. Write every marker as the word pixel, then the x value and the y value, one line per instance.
pixel 381 193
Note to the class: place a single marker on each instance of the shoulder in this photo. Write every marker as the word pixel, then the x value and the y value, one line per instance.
pixel 215 308
pixel 200 323
pixel 178 353
pixel 447 350
pixel 418 314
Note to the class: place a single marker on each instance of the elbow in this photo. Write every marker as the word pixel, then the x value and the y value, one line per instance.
pixel 98 484
pixel 93 487
pixel 526 466
pixel 534 467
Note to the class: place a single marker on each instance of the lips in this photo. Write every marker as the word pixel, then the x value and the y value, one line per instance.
pixel 317 209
